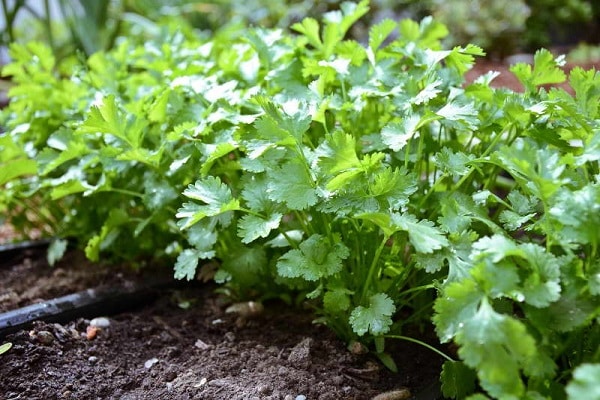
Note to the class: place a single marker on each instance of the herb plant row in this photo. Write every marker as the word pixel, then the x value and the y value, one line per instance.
pixel 364 179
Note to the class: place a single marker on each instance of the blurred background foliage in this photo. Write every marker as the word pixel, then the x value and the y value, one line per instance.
pixel 83 27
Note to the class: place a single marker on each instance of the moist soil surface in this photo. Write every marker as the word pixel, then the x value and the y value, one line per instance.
pixel 183 344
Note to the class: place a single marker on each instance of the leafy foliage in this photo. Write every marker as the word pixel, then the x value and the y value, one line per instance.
pixel 364 180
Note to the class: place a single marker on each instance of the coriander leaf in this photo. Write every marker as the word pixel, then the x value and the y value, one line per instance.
pixel 215 152
pixel 546 70
pixel 461 115
pixel 292 184
pixel 215 195
pixel 309 27
pixel 336 301
pixel 497 346
pixel 513 221
pixel 579 214
pixel 56 251
pixel 461 58
pixel 251 227
pixel 50 159
pixel 585 383
pixel 392 187
pixel 376 318
pixel 396 135
pixel 427 33
pixel 378 33
pixel 15 168
pixel 246 264
pixel 458 380
pixel 338 153
pixel 572 310
pixel 455 164
pixel 423 235
pixel 497 247
pixel 315 258
pixel 586 84
pixel 282 124
pixel 186 264
pixel 458 304
pixel 107 118
pixel 542 286
pixel 594 278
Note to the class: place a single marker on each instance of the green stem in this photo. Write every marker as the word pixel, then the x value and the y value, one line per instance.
pixel 48 24
pixel 372 269
pixel 416 289
pixel 409 339
pixel 126 192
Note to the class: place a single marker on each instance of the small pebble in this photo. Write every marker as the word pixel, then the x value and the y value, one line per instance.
pixel 300 354
pixel 201 345
pixel 45 337
pixel 170 376
pixel 93 359
pixel 230 336
pixel 300 397
pixel 100 322
pixel 149 363
pixel 399 394
pixel 263 389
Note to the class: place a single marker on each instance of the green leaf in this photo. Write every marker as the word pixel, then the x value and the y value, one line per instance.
pixel 455 164
pixel 579 213
pixel 251 227
pixel 458 380
pixel 461 58
pixel 56 251
pixel 427 33
pixel 546 70
pixel 379 32
pixel 497 347
pixel 215 195
pixel 393 187
pixel 586 85
pixel 376 318
pixel 315 258
pixel 106 118
pixel 15 168
pixel 247 265
pixel 186 264
pixel 423 235
pixel 107 235
pixel 309 27
pixel 397 135
pixel 5 347
pixel 293 185
pixel 457 305
pixel 585 383
pixel 214 153
pixel 337 300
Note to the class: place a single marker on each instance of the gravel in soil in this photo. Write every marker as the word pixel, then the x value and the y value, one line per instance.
pixel 163 351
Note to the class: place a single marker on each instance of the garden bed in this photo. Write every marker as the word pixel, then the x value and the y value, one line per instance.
pixel 161 350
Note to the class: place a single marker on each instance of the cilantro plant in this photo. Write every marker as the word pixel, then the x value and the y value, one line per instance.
pixel 365 180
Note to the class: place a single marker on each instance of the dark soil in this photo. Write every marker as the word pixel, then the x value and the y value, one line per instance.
pixel 163 351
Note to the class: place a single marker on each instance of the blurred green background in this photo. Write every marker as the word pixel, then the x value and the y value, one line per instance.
pixel 501 27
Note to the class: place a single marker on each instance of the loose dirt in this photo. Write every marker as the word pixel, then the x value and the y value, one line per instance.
pixel 184 345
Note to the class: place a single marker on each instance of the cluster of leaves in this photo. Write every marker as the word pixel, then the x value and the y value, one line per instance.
pixel 363 179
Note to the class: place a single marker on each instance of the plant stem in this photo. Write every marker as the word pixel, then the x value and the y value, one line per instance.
pixel 372 269
pixel 409 339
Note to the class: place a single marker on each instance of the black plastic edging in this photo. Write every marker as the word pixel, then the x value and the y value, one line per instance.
pixel 12 252
pixel 89 303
